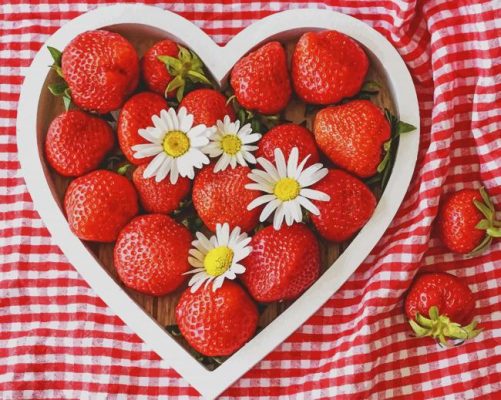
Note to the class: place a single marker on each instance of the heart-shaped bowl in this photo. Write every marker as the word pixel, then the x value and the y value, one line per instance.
pixel 142 25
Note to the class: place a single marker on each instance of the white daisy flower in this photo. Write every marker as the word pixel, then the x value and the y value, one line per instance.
pixel 216 258
pixel 232 144
pixel 286 187
pixel 175 143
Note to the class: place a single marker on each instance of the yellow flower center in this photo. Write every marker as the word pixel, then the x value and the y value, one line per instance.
pixel 231 144
pixel 287 189
pixel 218 260
pixel 176 143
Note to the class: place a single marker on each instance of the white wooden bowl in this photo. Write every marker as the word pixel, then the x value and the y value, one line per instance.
pixel 140 19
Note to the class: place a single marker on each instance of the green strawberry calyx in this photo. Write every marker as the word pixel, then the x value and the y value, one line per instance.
pixel 441 328
pixel 60 87
pixel 187 67
pixel 489 224
pixel 390 147
pixel 259 122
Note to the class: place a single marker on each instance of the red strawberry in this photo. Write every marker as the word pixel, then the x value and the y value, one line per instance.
pixel 166 67
pixel 160 197
pixel 350 207
pixel 136 114
pixel 283 263
pixel 151 254
pixel 217 323
pixel 154 72
pixel 327 66
pixel 437 303
pixel 352 135
pixel 467 221
pixel 222 197
pixel 285 137
pixel 77 142
pixel 261 80
pixel 99 204
pixel 101 68
pixel 207 106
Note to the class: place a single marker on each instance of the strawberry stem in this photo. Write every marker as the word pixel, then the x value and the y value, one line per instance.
pixel 441 328
pixel 187 67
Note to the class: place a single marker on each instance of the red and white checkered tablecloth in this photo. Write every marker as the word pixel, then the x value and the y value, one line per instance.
pixel 58 340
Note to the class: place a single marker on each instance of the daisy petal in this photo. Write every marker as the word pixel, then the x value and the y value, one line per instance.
pixel 163 170
pixel 238 268
pixel 218 282
pixel 280 163
pixel 167 121
pixel 174 173
pixel 223 234
pixel 197 254
pixel 269 168
pixel 154 164
pixel 314 194
pixel 174 118
pixel 266 198
pixel 195 263
pixel 279 217
pixel 292 162
pixel 197 284
pixel 289 219
pixel 198 276
pixel 308 205
pixel 146 150
pixel 222 163
pixel 152 135
pixel 159 123
pixel 300 167
pixel 258 187
pixel 203 242
pixel 240 159
pixel 270 207
pixel 198 130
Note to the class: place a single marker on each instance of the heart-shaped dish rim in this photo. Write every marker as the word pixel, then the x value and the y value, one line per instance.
pixel 219 60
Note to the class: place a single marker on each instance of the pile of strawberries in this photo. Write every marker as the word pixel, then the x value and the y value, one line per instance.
pixel 168 191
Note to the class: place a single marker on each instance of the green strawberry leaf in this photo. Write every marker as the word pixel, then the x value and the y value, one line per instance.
pixel 485 210
pixel 256 125
pixel 384 163
pixel 483 224
pixel 390 147
pixel 404 127
pixel 173 65
pixel 485 243
pixel 58 89
pixel 58 70
pixel 66 102
pixel 494 232
pixel 486 198
pixel 173 330
pixel 198 77
pixel 56 55
pixel 371 86
pixel 241 115
pixel 123 169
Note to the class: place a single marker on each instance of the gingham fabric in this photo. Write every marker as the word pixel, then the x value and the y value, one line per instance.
pixel 58 340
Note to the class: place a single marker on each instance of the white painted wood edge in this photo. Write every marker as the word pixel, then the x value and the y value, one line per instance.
pixel 219 61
